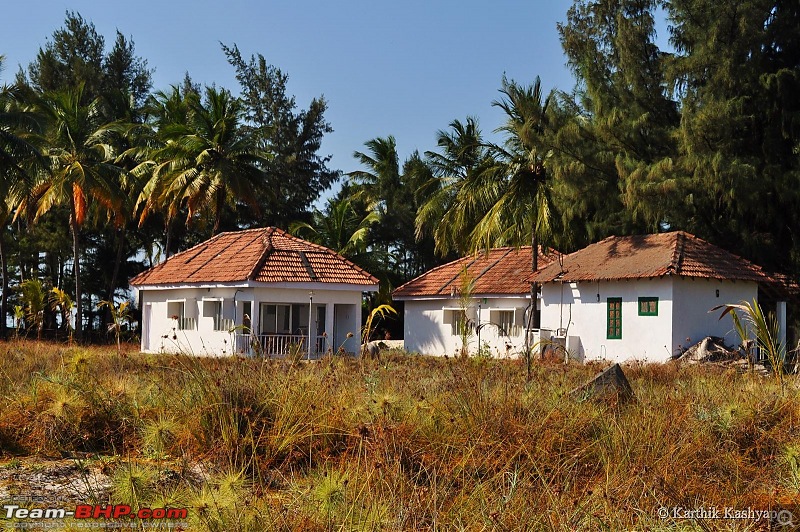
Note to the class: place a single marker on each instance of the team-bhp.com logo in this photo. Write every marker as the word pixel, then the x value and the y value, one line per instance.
pixel 89 511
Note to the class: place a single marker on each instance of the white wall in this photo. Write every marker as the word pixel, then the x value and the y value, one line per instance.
pixel 163 335
pixel 428 328
pixel 694 298
pixel 683 315
pixel 575 307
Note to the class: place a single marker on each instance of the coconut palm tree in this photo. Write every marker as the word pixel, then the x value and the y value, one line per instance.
pixel 208 161
pixel 452 207
pixel 520 210
pixel 382 177
pixel 522 206
pixel 133 141
pixel 17 126
pixel 81 173
pixel 390 193
pixel 339 227
pixel 496 194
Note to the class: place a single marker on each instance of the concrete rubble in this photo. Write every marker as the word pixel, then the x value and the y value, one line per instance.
pixel 712 350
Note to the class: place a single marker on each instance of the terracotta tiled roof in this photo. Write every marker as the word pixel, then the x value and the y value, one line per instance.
pixel 500 271
pixel 267 255
pixel 648 256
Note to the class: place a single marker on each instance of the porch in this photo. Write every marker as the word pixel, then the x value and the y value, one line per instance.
pixel 281 345
pixel 298 330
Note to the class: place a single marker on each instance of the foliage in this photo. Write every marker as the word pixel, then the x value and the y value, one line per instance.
pixel 32 296
pixel 339 228
pixel 466 287
pixel 81 174
pixel 390 191
pixel 120 315
pixel 60 301
pixel 766 329
pixel 75 56
pixel 207 161
pixel 452 205
pixel 296 172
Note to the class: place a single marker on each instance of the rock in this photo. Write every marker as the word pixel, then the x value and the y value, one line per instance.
pixel 610 384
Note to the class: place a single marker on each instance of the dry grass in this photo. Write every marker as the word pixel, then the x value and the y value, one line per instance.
pixel 408 443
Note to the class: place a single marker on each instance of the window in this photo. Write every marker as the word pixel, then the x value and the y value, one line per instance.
pixel 614 322
pixel 176 310
pixel 276 319
pixel 648 306
pixel 247 311
pixel 457 319
pixel 212 308
pixel 505 319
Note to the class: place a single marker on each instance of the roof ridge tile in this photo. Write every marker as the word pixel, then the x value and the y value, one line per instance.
pixel 676 261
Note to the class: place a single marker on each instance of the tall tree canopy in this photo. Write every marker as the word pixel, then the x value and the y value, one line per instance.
pixel 86 149
pixel 702 137
pixel 296 172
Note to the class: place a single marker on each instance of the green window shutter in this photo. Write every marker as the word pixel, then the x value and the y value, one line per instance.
pixel 648 306
pixel 614 318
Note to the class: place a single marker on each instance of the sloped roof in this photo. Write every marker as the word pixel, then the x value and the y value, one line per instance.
pixel 648 256
pixel 498 271
pixel 268 255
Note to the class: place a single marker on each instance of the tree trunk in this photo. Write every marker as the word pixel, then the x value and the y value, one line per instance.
pixel 76 269
pixel 219 200
pixel 107 317
pixel 4 300
pixel 168 240
pixel 117 264
pixel 533 316
pixel 534 269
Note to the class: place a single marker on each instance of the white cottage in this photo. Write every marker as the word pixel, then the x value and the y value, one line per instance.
pixel 647 297
pixel 495 312
pixel 255 291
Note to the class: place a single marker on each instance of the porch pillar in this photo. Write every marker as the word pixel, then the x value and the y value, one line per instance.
pixel 780 312
pixel 311 333
pixel 329 327
pixel 255 319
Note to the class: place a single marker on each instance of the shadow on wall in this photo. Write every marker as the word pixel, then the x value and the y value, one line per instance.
pixel 426 337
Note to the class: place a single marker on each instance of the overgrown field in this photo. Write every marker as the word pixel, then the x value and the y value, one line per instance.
pixel 405 442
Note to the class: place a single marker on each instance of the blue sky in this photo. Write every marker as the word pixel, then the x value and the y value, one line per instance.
pixel 405 68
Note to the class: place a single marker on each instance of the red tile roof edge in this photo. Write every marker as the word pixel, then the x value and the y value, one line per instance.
pixel 675 266
pixel 134 280
pixel 266 237
pixel 470 259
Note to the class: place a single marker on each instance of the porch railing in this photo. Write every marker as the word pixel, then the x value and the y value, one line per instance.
pixel 279 345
